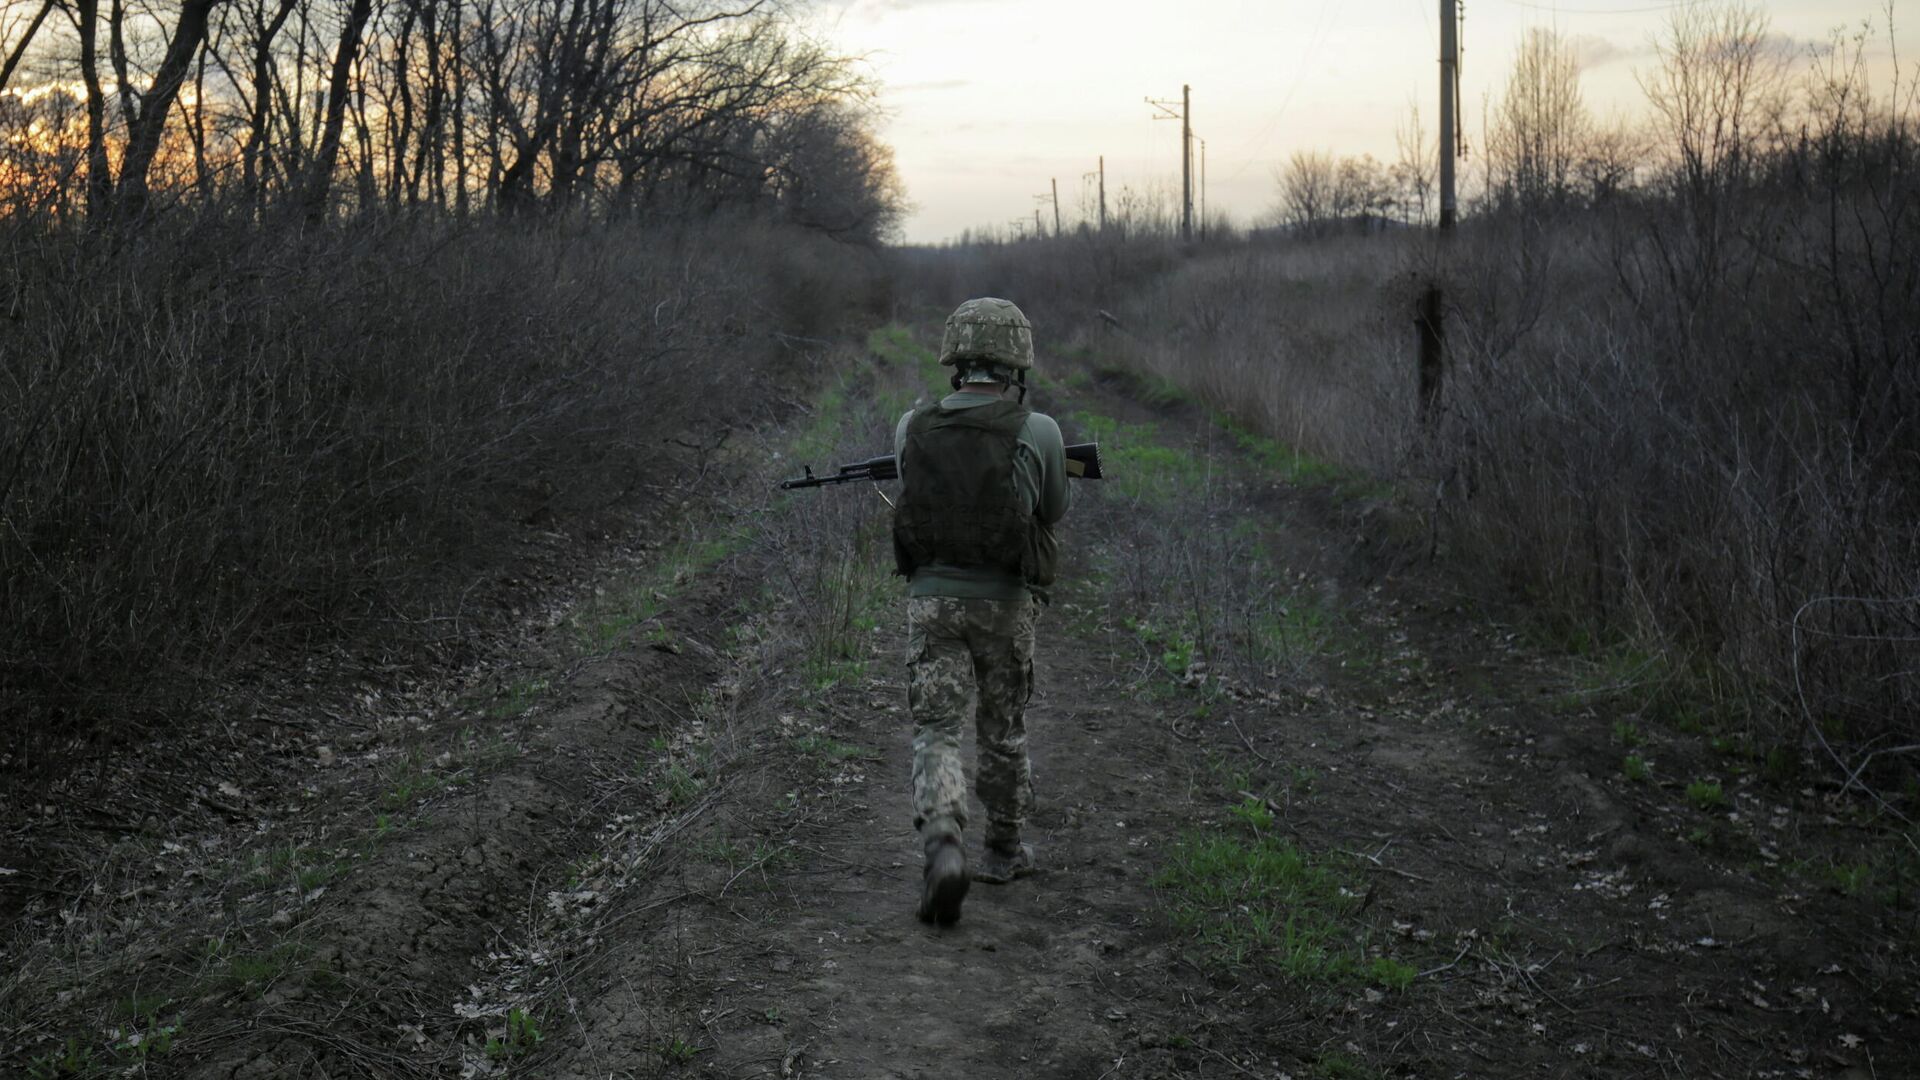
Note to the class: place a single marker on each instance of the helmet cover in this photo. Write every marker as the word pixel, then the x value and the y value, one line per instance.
pixel 988 330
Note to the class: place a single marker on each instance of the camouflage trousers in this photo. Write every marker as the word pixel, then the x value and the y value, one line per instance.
pixel 963 652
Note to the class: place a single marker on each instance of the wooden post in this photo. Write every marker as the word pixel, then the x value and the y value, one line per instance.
pixel 1449 86
pixel 1186 163
pixel 1430 320
pixel 1103 193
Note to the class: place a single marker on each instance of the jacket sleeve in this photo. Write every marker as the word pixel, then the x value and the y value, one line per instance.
pixel 1049 451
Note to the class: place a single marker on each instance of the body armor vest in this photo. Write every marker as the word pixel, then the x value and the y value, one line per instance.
pixel 961 506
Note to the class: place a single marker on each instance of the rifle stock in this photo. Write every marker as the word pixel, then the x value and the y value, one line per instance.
pixel 1083 463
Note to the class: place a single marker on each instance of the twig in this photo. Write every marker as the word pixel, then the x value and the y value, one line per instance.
pixel 1449 965
pixel 1806 711
pixel 1237 1067
pixel 1244 741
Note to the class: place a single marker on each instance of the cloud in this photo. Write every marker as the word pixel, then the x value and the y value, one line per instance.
pixel 1595 51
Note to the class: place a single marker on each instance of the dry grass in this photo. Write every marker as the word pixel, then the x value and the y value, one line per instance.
pixel 1679 431
pixel 218 439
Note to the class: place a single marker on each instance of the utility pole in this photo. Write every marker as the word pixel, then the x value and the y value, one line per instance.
pixel 1429 321
pixel 1203 187
pixel 1056 206
pixel 1185 116
pixel 1103 193
pixel 1449 105
pixel 1186 161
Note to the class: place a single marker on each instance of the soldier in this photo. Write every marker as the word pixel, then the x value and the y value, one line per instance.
pixel 984 481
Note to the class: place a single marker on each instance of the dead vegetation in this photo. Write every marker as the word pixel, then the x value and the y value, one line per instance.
pixel 1675 415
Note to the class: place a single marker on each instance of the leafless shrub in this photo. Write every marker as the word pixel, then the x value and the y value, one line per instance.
pixel 216 441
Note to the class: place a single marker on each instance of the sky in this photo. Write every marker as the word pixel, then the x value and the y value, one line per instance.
pixel 986 102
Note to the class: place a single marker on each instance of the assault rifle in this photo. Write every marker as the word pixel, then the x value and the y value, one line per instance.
pixel 1083 463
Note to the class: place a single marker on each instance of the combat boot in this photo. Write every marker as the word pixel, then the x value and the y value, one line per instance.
pixel 1004 862
pixel 945 882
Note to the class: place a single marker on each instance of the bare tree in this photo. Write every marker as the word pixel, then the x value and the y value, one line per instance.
pixel 1413 174
pixel 1539 125
pixel 1720 81
pixel 1309 186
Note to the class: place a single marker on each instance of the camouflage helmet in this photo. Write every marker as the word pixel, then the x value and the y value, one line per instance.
pixel 989 332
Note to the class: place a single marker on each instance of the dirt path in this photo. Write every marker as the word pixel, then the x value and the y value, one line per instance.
pixel 816 966
pixel 1539 914
pixel 1306 808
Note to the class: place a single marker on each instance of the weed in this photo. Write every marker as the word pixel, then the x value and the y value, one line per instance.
pixel 1781 766
pixel 151 1040
pixel 520 1036
pixel 412 777
pixel 1295 467
pixel 1636 769
pixel 1391 973
pixel 682 786
pixel 677 1051
pixel 138 1005
pixel 518 699
pixel 831 748
pixel 1850 879
pixel 252 972
pixel 1260 900
pixel 1141 468
pixel 1301 781
pixel 1706 794
pixel 823 675
pixel 75 1059
pixel 1253 810
pixel 1626 733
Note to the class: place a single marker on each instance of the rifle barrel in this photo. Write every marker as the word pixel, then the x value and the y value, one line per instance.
pixel 1083 463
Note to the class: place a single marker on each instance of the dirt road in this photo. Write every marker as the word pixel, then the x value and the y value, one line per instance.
pixel 1307 807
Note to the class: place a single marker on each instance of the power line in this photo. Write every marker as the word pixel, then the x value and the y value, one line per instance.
pixel 1556 9
pixel 1299 72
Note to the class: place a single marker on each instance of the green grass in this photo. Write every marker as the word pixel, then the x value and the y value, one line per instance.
pixel 1706 794
pixel 1262 901
pixel 1626 733
pixel 1636 769
pixel 73 1059
pixel 681 785
pixel 611 616
pixel 1334 1066
pixel 1295 467
pixel 252 971
pixel 1138 465
pixel 823 674
pixel 303 867
pixel 412 777
pixel 894 346
pixel 1293 628
pixel 1391 973
pixel 677 1051
pixel 521 1035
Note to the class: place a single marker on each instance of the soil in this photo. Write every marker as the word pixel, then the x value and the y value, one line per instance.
pixel 688 854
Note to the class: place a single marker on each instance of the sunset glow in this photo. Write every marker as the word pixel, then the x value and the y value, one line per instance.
pixel 990 100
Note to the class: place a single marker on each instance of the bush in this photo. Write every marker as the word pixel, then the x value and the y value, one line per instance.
pixel 218 438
